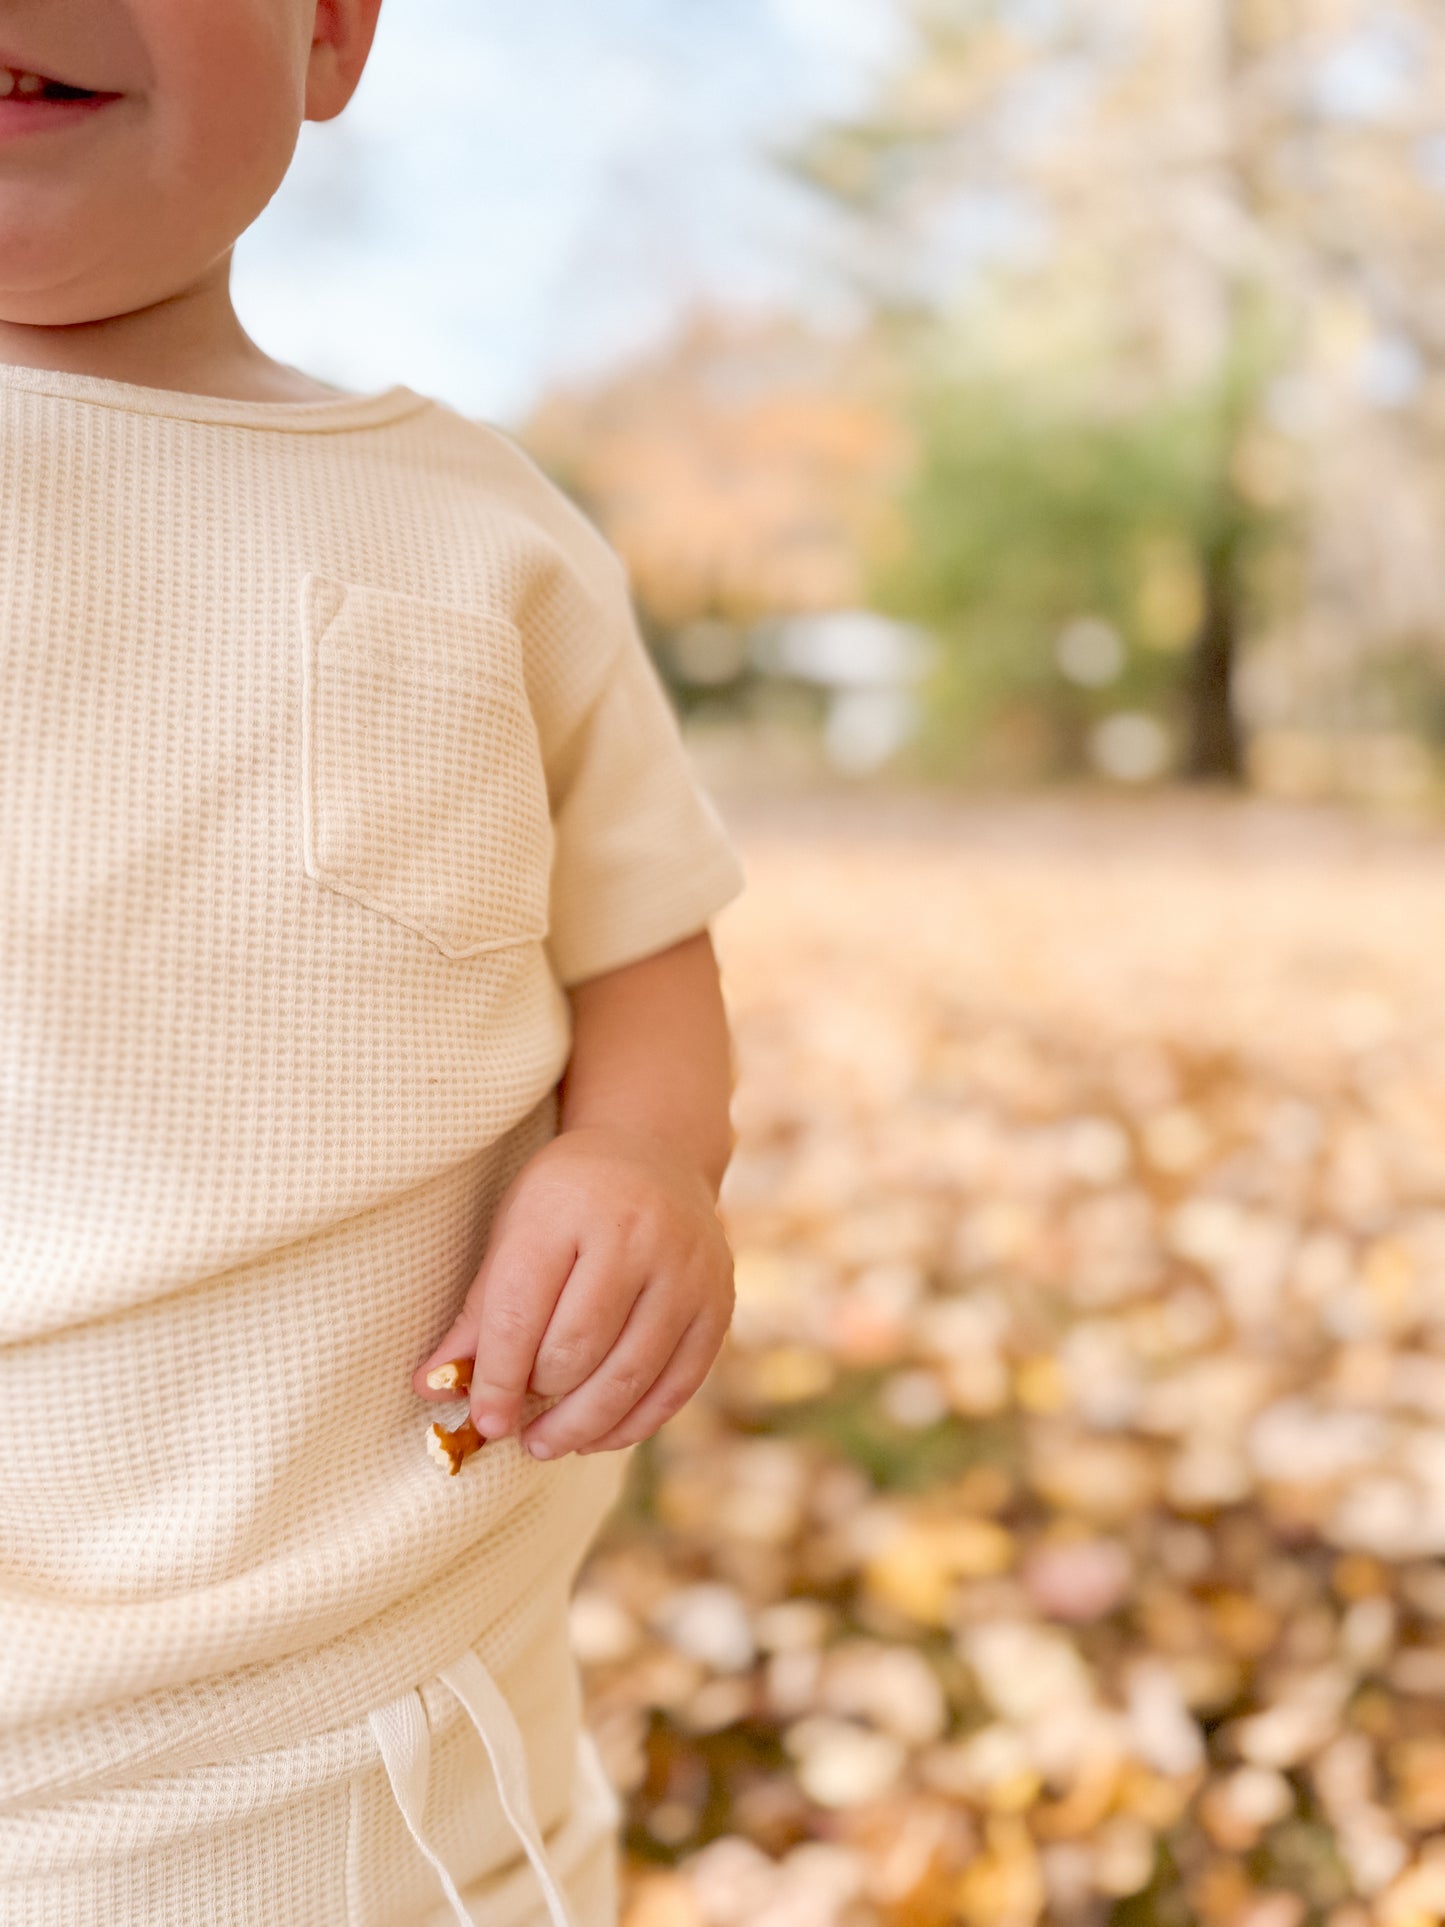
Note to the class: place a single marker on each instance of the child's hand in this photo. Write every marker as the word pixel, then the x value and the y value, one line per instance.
pixel 607 1278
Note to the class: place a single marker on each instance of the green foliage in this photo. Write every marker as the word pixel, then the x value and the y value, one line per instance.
pixel 1028 513
pixel 851 1421
pixel 1402 689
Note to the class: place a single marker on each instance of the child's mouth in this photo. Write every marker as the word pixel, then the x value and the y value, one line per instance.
pixel 30 101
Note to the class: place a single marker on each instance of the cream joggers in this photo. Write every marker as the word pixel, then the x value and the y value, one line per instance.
pixel 470 1798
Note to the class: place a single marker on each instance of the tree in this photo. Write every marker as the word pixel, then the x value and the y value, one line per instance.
pixel 1225 193
pixel 745 473
pixel 1063 559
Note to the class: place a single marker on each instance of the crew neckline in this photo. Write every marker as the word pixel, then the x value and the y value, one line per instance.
pixel 340 412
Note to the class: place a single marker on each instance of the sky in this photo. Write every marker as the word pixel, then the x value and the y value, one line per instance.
pixel 528 192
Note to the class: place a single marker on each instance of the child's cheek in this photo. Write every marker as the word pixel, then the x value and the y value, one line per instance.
pixel 152 191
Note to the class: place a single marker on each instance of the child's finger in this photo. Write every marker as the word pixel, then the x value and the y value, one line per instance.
pixel 513 1298
pixel 647 1342
pixel 683 1373
pixel 585 1324
pixel 504 1315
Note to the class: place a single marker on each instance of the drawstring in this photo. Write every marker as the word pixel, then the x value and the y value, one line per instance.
pixel 404 1737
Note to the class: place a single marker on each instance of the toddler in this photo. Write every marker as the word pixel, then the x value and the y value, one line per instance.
pixel 358 1013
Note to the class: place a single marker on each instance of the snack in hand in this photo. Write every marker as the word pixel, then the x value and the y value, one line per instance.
pixel 452 1449
pixel 454 1376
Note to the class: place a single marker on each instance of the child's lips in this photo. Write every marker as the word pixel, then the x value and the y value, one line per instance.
pixel 20 116
pixel 32 100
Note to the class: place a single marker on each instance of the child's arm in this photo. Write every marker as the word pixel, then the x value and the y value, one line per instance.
pixel 607 1276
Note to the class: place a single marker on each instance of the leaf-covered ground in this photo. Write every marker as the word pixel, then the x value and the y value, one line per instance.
pixel 1058 1537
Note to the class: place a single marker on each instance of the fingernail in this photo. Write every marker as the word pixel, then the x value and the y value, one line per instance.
pixel 490 1424
pixel 539 1448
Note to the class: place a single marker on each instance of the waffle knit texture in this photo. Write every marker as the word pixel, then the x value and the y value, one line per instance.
pixel 330 756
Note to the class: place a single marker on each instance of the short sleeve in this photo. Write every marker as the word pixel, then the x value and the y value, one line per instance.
pixel 641 858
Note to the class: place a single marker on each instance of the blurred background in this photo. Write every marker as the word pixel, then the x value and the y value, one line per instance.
pixel 1024 421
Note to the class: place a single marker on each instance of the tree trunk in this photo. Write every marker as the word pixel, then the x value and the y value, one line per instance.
pixel 1215 752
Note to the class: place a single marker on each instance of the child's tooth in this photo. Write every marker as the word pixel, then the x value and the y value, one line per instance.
pixel 29 84
pixel 7 83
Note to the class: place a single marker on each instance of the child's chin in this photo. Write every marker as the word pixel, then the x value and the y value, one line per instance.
pixel 40 285
pixel 36 292
pixel 22 309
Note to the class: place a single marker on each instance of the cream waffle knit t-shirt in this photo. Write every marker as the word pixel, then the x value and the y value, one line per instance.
pixel 329 757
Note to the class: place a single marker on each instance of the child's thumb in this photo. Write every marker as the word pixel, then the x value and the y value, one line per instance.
pixel 502 1319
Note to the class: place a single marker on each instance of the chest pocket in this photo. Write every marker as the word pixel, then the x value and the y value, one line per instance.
pixel 423 791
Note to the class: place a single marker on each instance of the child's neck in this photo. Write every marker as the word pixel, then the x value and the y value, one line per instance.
pixel 192 341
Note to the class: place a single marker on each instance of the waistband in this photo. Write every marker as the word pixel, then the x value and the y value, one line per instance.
pixel 308 1700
